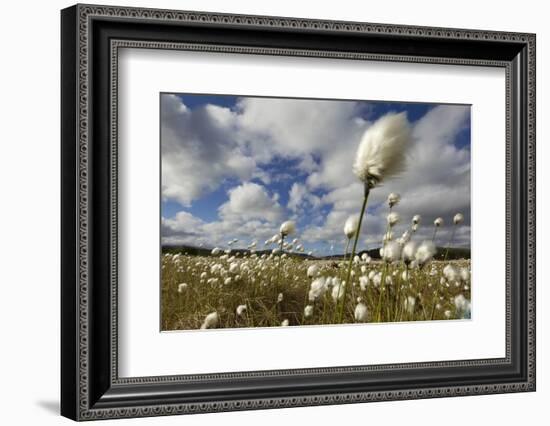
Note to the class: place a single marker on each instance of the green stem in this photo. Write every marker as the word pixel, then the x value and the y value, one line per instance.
pixel 324 315
pixel 449 243
pixel 381 291
pixel 350 262
pixel 278 285
pixel 346 250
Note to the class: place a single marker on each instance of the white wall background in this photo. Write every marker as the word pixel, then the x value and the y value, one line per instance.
pixel 29 213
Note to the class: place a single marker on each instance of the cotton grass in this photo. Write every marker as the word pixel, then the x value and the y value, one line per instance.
pixel 381 152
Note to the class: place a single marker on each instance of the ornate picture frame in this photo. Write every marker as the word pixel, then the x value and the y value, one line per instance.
pixel 91 37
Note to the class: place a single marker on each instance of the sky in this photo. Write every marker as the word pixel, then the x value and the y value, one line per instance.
pixel 237 167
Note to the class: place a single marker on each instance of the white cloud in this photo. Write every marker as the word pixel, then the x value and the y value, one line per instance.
pixel 204 146
pixel 299 198
pixel 249 214
pixel 251 201
pixel 183 222
pixel 198 152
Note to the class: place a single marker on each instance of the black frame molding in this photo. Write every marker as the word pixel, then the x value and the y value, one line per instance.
pixel 90 38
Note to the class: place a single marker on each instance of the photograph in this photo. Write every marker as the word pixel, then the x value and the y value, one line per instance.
pixel 308 212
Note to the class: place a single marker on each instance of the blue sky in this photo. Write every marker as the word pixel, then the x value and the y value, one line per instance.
pixel 235 167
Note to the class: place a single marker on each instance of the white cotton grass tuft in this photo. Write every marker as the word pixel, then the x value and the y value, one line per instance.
pixel 313 271
pixel 381 152
pixel 350 227
pixel 317 289
pixel 287 228
pixel 338 290
pixel 405 238
pixel 361 312
pixel 393 199
pixel 280 298
pixel 458 218
pixel 211 321
pixel 284 323
pixel 308 311
pixel 463 306
pixel 409 252
pixel 240 310
pixel 464 274
pixel 416 219
pixel 451 273
pixel 182 287
pixel 460 302
pixel 424 253
pixel 393 218
pixel 363 282
pixel 234 268
pixel 438 222
pixel 409 304
pixel 391 251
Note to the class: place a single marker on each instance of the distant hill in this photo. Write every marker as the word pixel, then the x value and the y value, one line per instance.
pixel 454 253
pixel 202 251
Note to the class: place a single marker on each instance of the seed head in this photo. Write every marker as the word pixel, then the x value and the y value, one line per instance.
pixel 350 227
pixel 393 199
pixel 313 271
pixel 287 228
pixel 317 289
pixel 360 312
pixel 425 252
pixel 409 304
pixel 393 218
pixel 211 321
pixel 458 218
pixel 391 251
pixel 240 310
pixel 409 252
pixel 381 152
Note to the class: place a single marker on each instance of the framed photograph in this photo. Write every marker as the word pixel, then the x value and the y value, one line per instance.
pixel 263 212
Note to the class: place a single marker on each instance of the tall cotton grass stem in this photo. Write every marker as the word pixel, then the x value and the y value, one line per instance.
pixel 347 247
pixel 457 220
pixel 350 227
pixel 449 243
pixel 437 223
pixel 279 263
pixel 352 255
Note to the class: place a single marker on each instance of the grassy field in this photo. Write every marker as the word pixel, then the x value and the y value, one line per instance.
pixel 235 290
